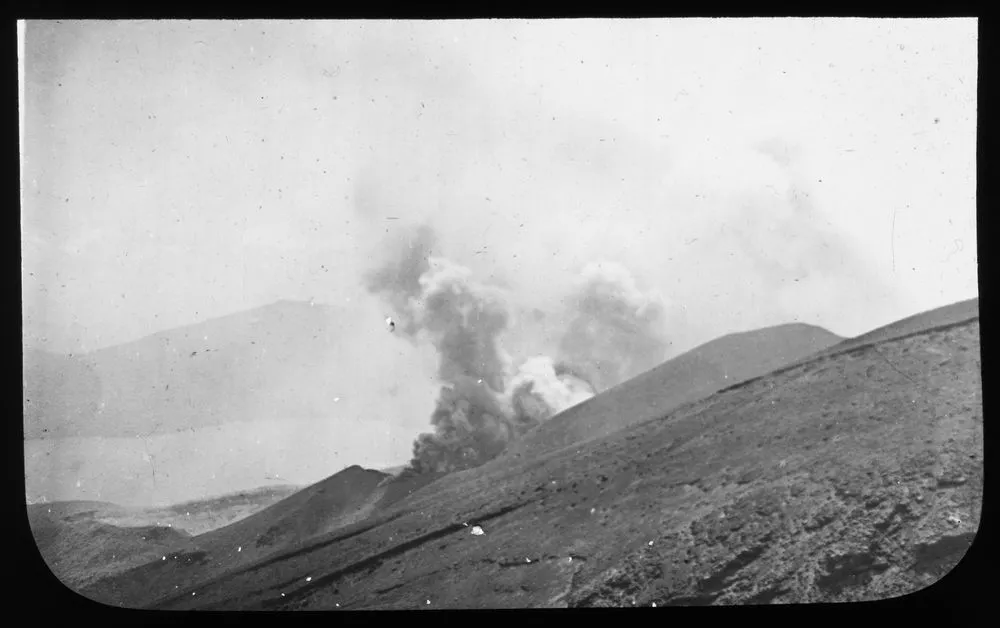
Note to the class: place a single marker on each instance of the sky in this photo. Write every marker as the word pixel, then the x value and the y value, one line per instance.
pixel 751 172
pixel 176 171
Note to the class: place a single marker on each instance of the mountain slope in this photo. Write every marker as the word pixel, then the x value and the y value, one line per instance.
pixel 303 514
pixel 84 541
pixel 338 502
pixel 690 376
pixel 64 386
pixel 947 315
pixel 255 364
pixel 853 476
pixel 79 547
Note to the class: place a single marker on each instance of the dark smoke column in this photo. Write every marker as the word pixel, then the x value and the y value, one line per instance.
pixel 439 301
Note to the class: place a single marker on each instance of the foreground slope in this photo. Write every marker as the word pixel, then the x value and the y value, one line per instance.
pixel 85 541
pixel 79 547
pixel 345 498
pixel 856 475
pixel 690 376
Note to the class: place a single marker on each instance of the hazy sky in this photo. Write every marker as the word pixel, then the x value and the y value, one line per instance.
pixel 752 171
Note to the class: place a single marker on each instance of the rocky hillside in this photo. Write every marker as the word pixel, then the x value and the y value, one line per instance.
pixel 856 475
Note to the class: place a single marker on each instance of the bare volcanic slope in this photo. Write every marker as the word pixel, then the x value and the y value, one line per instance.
pixel 84 541
pixel 321 506
pixel 250 365
pixel 857 475
pixel 79 547
pixel 947 315
pixel 690 376
pixel 348 497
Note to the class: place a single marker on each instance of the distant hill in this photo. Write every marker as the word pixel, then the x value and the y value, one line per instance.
pixel 261 363
pixel 686 378
pixel 202 515
pixel 302 514
pixel 59 390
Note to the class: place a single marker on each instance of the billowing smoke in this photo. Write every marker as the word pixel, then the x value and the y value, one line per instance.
pixel 617 331
pixel 553 385
pixel 471 426
pixel 464 320
pixel 489 397
pixel 399 280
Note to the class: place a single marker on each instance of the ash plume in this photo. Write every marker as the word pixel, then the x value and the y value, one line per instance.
pixel 471 427
pixel 489 397
pixel 398 280
pixel 464 321
pixel 617 331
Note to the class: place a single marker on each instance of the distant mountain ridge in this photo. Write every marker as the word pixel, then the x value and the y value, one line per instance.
pixel 242 366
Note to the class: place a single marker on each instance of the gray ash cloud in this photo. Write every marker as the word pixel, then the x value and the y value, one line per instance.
pixel 489 397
